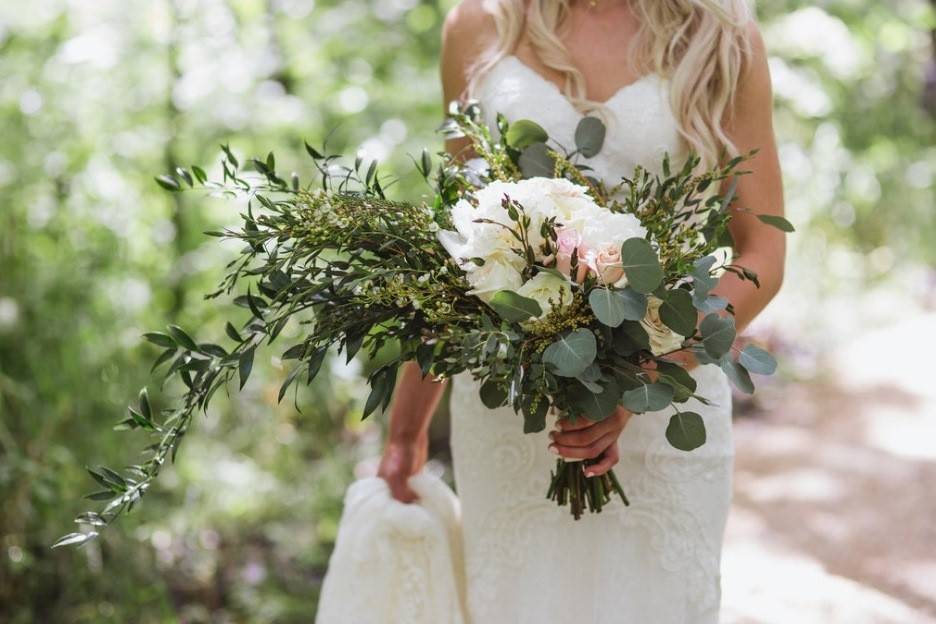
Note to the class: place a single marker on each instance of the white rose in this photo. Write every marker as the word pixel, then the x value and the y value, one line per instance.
pixel 496 274
pixel 662 338
pixel 547 290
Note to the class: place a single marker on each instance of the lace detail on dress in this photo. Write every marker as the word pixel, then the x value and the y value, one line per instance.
pixel 678 505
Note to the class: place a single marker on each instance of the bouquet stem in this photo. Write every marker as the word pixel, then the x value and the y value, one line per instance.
pixel 570 486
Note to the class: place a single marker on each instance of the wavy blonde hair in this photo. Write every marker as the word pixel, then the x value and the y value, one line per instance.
pixel 700 46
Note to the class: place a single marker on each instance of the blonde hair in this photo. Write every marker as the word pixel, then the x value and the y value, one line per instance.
pixel 700 46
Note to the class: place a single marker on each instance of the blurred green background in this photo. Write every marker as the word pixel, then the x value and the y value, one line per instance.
pixel 98 97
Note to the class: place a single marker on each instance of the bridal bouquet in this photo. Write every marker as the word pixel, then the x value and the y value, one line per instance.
pixel 552 290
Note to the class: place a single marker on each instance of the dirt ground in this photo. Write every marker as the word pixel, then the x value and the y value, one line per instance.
pixel 834 517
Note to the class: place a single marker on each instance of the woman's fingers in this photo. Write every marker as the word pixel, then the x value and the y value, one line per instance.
pixel 585 435
pixel 590 451
pixel 609 458
pixel 567 424
pixel 400 490
pixel 582 437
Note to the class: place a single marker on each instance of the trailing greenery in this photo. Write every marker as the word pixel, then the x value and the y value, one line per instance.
pixel 360 271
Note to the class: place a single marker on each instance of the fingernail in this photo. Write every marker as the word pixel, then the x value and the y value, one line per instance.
pixel 553 449
pixel 589 473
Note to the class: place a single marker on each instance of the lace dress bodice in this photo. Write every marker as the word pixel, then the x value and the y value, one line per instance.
pixel 641 125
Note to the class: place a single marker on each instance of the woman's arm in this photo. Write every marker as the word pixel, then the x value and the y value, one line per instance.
pixel 758 247
pixel 417 397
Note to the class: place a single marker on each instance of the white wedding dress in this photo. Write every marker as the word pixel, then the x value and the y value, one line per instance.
pixel 526 560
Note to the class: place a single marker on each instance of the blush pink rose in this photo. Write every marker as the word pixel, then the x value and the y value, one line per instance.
pixel 567 240
pixel 608 264
pixel 586 263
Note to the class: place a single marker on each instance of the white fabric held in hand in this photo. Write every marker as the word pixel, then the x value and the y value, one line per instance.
pixel 395 562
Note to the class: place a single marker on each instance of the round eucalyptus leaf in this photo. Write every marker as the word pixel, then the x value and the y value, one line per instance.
pixel 534 418
pixel 718 334
pixel 630 338
pixel 756 360
pixel 641 265
pixel 535 161
pixel 702 356
pixel 607 307
pixel 589 136
pixel 709 304
pixel 635 303
pixel 493 394
pixel 523 133
pixel 686 431
pixel 572 353
pixel 595 406
pixel 648 397
pixel 678 313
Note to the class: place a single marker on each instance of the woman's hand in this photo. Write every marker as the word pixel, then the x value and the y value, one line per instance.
pixel 400 461
pixel 585 439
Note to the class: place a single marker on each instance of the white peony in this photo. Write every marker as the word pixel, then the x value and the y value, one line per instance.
pixel 547 290
pixel 662 338
pixel 497 273
pixel 603 228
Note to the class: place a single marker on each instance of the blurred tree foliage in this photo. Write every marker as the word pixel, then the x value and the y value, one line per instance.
pixel 96 97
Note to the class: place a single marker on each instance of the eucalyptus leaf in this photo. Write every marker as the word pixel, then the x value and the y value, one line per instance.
pixel 678 313
pixel 630 337
pixel 710 304
pixel 536 161
pixel 613 307
pixel 589 136
pixel 523 133
pixel 702 280
pixel 493 394
pixel 641 265
pixel 737 374
pixel 572 353
pixel 756 360
pixel 648 397
pixel 595 406
pixel 534 418
pixel 674 375
pixel 686 431
pixel 718 334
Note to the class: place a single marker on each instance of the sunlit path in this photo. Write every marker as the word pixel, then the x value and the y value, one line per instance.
pixel 833 517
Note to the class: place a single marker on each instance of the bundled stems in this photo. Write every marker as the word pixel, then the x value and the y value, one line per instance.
pixel 570 486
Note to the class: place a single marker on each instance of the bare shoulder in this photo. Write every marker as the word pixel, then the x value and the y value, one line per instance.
pixel 468 22
pixel 469 29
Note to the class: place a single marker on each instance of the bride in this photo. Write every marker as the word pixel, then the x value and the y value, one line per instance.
pixel 666 76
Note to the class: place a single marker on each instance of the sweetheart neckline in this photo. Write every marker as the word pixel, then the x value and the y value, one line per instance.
pixel 558 91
